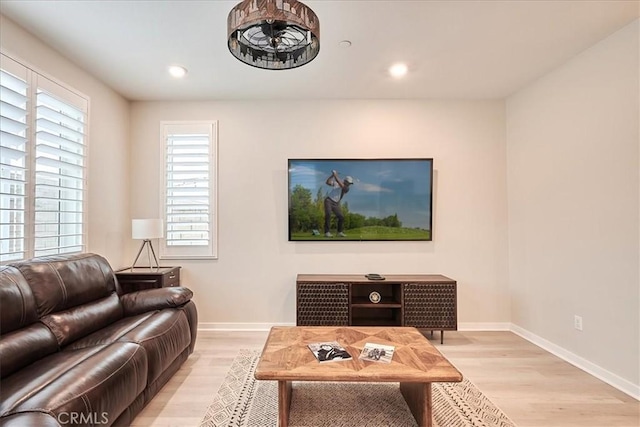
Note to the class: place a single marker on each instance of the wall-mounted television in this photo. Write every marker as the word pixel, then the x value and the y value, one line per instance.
pixel 360 199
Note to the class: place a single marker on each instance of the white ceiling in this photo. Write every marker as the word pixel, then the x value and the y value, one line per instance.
pixel 454 49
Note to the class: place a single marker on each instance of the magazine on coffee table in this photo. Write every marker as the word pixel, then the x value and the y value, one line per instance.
pixel 377 352
pixel 329 351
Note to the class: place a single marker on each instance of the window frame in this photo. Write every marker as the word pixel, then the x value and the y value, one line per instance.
pixel 209 251
pixel 38 81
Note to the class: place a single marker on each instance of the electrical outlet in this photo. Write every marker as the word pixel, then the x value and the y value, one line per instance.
pixel 577 322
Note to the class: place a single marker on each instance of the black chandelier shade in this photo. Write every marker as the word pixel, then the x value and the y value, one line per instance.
pixel 273 34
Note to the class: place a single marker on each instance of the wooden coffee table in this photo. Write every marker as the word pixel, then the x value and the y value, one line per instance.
pixel 415 364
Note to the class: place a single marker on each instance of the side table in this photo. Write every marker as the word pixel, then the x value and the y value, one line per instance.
pixel 139 278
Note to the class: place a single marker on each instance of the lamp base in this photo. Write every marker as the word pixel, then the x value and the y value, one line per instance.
pixel 144 243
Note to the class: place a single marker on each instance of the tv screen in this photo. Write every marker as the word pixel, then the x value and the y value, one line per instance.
pixel 360 199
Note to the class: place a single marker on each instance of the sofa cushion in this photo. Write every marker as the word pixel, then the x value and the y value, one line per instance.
pixel 111 333
pixel 164 336
pixel 97 382
pixel 23 340
pixel 23 347
pixel 77 322
pixel 64 281
pixel 18 303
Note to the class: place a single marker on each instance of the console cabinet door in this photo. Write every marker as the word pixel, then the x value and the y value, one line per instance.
pixel 430 306
pixel 322 304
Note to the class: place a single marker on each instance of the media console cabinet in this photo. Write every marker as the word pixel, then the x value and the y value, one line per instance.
pixel 424 301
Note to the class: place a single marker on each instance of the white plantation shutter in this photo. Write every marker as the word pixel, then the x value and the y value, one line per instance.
pixel 189 190
pixel 43 159
pixel 14 129
pixel 59 171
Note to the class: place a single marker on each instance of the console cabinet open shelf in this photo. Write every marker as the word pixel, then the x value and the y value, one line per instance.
pixel 424 301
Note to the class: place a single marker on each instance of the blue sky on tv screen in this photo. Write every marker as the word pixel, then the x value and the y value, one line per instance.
pixel 381 187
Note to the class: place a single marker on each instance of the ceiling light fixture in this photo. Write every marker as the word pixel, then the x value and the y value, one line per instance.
pixel 177 71
pixel 398 70
pixel 273 34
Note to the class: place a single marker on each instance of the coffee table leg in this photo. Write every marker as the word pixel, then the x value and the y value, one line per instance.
pixel 284 402
pixel 418 398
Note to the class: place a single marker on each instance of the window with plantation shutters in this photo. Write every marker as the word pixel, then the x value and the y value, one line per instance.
pixel 43 162
pixel 59 176
pixel 13 160
pixel 188 205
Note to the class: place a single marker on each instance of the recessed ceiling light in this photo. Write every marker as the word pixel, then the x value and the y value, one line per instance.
pixel 177 71
pixel 398 70
pixel 345 44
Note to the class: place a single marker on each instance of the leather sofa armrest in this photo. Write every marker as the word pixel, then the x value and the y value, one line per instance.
pixel 155 299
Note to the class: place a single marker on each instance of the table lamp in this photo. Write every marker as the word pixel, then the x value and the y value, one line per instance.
pixel 147 229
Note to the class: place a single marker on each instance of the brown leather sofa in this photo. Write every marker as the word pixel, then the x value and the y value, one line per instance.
pixel 75 351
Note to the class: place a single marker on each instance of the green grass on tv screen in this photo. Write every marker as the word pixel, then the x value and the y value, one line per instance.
pixel 367 233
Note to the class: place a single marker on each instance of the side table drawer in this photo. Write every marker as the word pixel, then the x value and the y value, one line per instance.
pixel 171 278
pixel 133 285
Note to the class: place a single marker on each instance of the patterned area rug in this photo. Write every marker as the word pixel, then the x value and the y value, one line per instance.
pixel 242 401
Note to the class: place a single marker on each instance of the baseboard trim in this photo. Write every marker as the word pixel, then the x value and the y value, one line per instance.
pixel 487 326
pixel 484 326
pixel 608 377
pixel 248 327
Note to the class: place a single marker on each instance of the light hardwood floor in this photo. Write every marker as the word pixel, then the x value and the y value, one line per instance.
pixel 530 385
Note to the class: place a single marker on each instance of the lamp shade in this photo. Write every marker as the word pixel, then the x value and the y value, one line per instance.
pixel 147 229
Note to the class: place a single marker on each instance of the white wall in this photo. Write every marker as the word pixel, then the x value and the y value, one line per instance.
pixel 573 191
pixel 253 281
pixel 108 186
